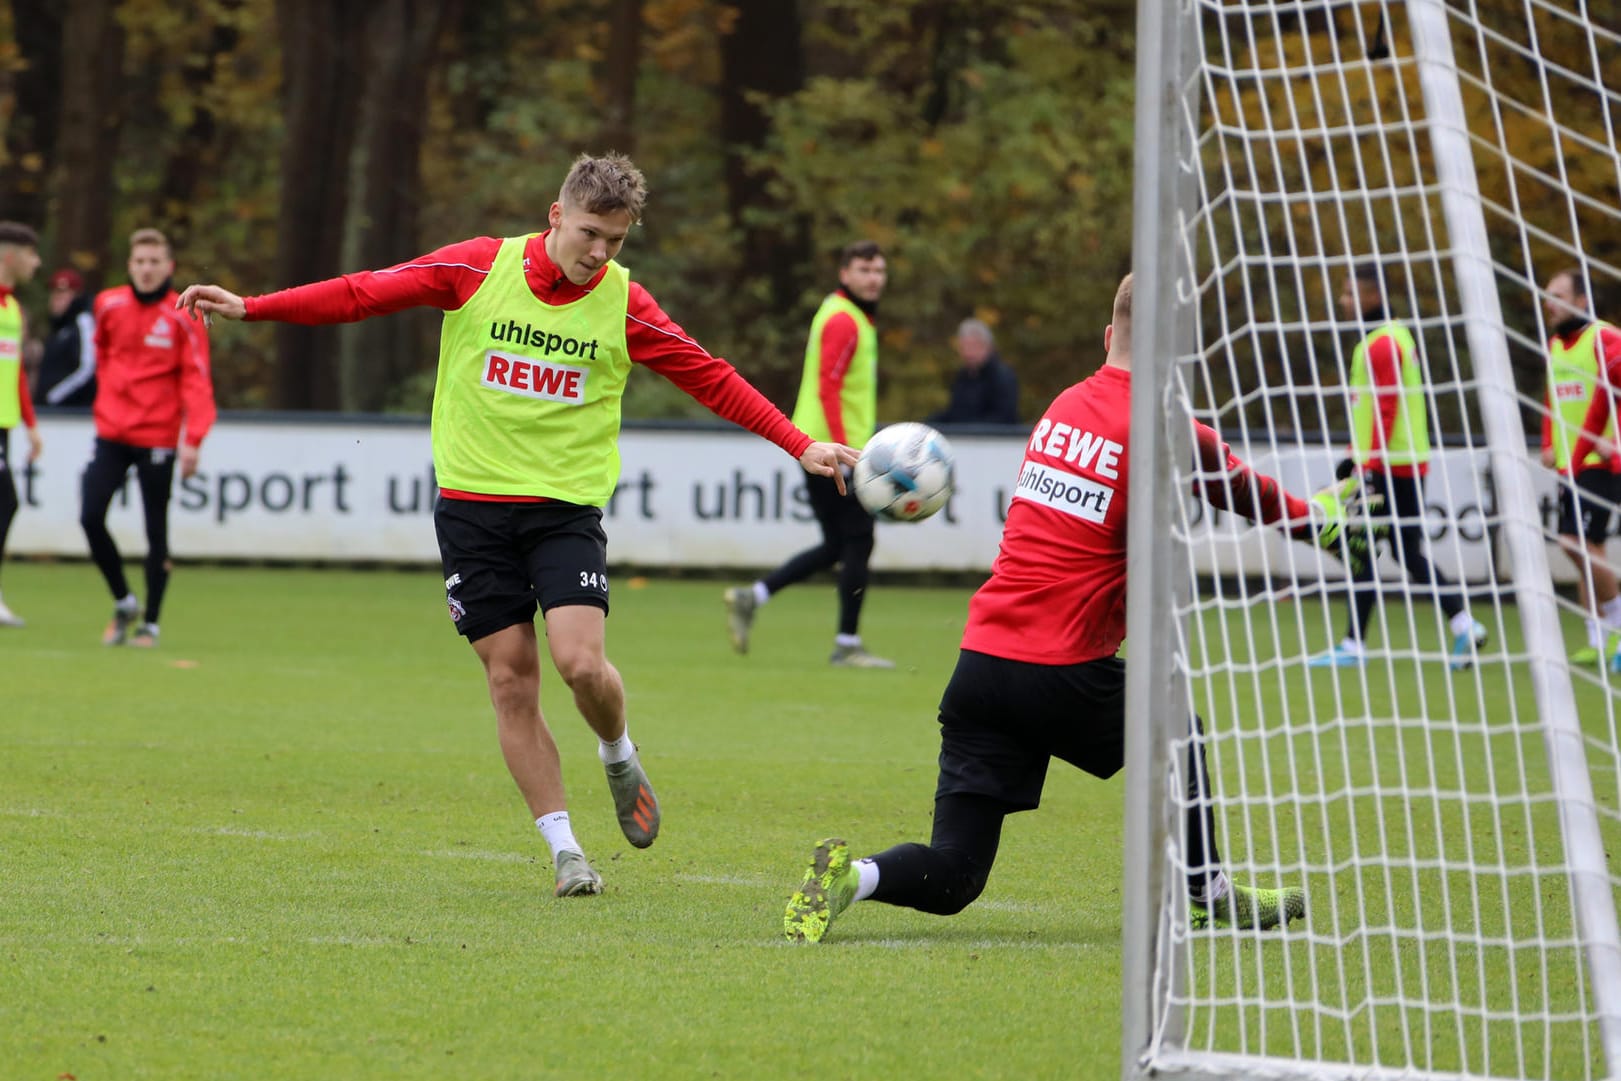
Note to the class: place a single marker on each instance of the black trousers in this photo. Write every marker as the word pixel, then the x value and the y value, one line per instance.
pixel 1002 722
pixel 103 477
pixel 8 490
pixel 1404 498
pixel 847 540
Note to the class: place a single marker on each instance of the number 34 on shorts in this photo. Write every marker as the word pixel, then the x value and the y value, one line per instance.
pixel 594 580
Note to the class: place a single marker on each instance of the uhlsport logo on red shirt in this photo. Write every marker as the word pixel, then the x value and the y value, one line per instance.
pixel 530 378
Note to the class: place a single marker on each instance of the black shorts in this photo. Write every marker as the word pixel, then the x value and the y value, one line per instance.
pixel 501 560
pixel 1001 721
pixel 1590 505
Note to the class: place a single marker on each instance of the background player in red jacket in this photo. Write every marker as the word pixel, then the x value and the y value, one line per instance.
pixel 154 401
pixel 540 333
pixel 19 258
pixel 1038 676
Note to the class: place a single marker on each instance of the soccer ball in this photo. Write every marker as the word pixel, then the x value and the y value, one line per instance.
pixel 905 472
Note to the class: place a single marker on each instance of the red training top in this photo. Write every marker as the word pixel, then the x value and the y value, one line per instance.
pixel 1057 591
pixel 25 400
pixel 152 372
pixel 1598 412
pixel 447 278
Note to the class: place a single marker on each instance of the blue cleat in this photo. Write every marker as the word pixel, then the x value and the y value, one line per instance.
pixel 1466 644
pixel 1338 657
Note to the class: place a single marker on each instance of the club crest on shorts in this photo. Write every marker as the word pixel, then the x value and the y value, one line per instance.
pixel 457 609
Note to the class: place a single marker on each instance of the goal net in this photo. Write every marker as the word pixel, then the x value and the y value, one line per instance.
pixel 1451 804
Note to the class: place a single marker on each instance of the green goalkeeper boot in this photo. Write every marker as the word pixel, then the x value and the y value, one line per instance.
pixel 1249 908
pixel 828 889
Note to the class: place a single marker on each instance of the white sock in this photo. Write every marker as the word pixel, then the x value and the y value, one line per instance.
pixel 867 872
pixel 128 602
pixel 1595 634
pixel 1610 612
pixel 558 833
pixel 1351 646
pixel 848 641
pixel 761 594
pixel 1216 887
pixel 1463 622
pixel 617 751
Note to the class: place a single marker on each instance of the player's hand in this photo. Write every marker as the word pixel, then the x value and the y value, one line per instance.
pixel 188 460
pixel 825 460
pixel 207 301
pixel 36 445
pixel 1342 522
pixel 1547 457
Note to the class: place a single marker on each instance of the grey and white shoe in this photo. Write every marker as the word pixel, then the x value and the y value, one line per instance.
pixel 575 876
pixel 124 617
pixel 634 801
pixel 857 657
pixel 8 618
pixel 740 606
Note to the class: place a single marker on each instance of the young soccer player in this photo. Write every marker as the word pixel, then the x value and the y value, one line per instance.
pixel 1580 351
pixel 1038 676
pixel 154 406
pixel 19 258
pixel 838 400
pixel 540 333
pixel 1390 451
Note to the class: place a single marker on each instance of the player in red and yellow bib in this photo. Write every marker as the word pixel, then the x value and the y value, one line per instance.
pixel 1578 440
pixel 19 258
pixel 1038 676
pixel 539 334
pixel 1390 450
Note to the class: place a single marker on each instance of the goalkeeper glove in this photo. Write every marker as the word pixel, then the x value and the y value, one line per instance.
pixel 1344 469
pixel 1346 503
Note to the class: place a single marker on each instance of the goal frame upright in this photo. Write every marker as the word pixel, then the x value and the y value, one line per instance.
pixel 1154 958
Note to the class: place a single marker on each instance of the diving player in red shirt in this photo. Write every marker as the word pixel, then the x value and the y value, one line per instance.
pixel 154 405
pixel 1038 676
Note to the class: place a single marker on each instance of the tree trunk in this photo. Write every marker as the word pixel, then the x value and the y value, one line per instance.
pixel 87 143
pixel 196 153
pixel 403 48
pixel 620 68
pixel 761 55
pixel 321 84
pixel 35 88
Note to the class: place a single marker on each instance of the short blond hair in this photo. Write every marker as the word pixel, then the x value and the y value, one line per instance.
pixel 1121 316
pixel 140 238
pixel 604 185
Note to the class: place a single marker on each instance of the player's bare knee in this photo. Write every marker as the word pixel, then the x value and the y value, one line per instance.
pixel 581 669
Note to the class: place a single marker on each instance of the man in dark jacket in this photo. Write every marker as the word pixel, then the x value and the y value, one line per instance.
pixel 985 390
pixel 67 370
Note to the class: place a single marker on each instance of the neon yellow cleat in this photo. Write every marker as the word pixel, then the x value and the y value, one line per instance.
pixel 828 889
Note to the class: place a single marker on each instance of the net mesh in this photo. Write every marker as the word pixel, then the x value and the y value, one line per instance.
pixel 1410 791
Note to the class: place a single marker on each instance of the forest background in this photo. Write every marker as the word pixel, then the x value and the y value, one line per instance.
pixel 987 144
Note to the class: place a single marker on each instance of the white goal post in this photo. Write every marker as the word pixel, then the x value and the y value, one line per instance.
pixel 1453 810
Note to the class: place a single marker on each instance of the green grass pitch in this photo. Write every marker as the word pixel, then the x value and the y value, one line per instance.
pixel 284 845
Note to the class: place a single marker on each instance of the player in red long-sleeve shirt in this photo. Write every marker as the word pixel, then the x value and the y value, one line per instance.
pixel 1578 439
pixel 540 333
pixel 154 405
pixel 19 258
pixel 1390 449
pixel 838 400
pixel 1038 676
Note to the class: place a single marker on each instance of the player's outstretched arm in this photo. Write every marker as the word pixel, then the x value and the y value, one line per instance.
pixel 207 301
pixel 827 460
